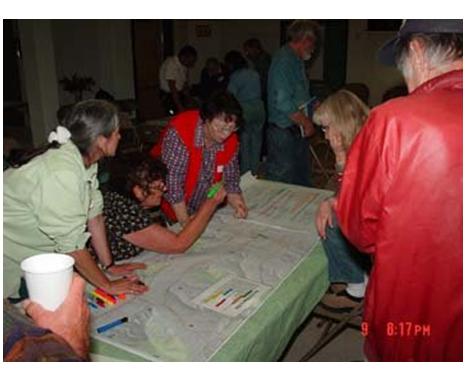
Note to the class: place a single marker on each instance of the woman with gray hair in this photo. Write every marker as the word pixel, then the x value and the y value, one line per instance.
pixel 51 201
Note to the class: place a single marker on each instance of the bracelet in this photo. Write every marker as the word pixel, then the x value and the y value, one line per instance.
pixel 107 267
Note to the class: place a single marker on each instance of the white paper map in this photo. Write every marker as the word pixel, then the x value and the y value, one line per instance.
pixel 174 321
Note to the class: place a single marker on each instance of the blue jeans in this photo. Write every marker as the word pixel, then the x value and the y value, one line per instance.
pixel 345 263
pixel 288 159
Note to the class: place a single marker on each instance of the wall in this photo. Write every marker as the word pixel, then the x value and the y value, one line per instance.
pixel 362 63
pixel 39 77
pixel 101 49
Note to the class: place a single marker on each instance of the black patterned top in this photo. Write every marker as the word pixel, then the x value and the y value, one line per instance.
pixel 122 216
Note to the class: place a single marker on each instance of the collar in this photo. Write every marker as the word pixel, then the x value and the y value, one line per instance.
pixel 450 80
pixel 72 151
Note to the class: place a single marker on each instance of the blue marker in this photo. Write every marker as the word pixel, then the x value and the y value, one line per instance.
pixel 112 324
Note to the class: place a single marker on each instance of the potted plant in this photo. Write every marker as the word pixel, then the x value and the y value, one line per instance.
pixel 77 85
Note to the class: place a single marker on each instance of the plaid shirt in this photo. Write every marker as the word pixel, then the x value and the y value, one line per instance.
pixel 176 156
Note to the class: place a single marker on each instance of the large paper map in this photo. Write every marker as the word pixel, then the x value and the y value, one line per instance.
pixel 198 300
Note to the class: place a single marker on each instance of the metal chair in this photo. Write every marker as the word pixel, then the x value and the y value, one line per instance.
pixel 321 154
pixel 335 324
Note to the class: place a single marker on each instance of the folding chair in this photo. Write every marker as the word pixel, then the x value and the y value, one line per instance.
pixel 336 324
pixel 321 153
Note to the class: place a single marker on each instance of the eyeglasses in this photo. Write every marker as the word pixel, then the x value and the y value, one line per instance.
pixel 224 127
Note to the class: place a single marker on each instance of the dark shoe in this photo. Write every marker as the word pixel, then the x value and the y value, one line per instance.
pixel 340 302
pixel 335 288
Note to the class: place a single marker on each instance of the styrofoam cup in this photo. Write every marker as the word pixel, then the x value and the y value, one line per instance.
pixel 48 278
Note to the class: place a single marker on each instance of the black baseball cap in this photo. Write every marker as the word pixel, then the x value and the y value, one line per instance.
pixel 386 53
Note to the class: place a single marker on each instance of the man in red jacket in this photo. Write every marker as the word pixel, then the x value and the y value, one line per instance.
pixel 401 200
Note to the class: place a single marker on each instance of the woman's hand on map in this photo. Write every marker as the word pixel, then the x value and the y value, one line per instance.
pixel 125 268
pixel 127 285
pixel 324 216
pixel 238 204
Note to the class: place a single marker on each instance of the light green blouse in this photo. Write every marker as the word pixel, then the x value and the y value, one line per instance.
pixel 46 205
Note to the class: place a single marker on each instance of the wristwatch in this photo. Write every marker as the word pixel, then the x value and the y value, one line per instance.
pixel 107 267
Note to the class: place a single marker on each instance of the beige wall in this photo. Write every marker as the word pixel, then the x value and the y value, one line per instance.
pixel 101 49
pixel 362 63
pixel 40 80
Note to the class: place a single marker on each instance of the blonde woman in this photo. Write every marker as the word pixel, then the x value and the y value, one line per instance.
pixel 341 116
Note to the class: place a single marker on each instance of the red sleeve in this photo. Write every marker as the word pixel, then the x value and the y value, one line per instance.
pixel 366 179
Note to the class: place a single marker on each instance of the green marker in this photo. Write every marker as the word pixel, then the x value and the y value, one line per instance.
pixel 214 189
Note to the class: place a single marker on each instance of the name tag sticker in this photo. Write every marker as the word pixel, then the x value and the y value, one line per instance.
pixel 220 168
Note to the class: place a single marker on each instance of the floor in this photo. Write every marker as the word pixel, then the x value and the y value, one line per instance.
pixel 347 346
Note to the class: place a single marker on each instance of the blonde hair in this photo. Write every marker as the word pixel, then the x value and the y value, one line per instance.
pixel 345 111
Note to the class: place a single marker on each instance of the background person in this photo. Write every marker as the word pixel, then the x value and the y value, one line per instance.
pixel 244 84
pixel 212 78
pixel 173 79
pixel 261 61
pixel 289 127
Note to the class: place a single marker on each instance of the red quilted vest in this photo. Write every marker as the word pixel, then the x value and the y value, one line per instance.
pixel 185 124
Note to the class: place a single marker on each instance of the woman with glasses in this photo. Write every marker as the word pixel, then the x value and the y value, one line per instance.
pixel 200 148
pixel 341 116
pixel 130 226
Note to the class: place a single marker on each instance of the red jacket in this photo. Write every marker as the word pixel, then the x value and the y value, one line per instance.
pixel 185 124
pixel 401 200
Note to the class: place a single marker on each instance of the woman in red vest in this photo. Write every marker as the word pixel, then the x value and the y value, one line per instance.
pixel 200 148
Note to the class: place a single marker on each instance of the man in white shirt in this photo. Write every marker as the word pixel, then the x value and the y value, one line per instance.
pixel 173 80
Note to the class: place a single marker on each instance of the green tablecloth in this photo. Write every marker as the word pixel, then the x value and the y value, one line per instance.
pixel 265 335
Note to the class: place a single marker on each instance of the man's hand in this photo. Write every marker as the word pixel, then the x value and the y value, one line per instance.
pixel 70 320
pixel 238 204
pixel 324 216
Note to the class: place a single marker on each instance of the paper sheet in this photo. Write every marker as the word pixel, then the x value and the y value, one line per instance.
pixel 231 295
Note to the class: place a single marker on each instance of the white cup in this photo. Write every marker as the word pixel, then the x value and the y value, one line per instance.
pixel 48 278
